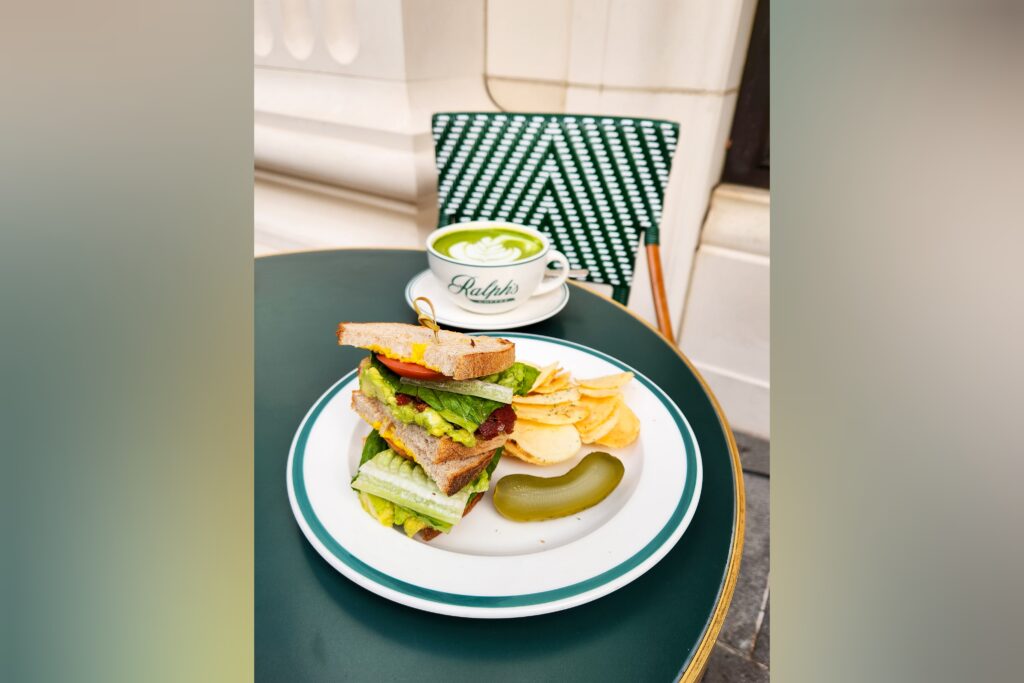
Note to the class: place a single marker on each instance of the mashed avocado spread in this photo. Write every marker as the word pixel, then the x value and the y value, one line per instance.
pixel 382 385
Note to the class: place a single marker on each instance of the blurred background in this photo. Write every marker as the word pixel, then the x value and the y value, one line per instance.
pixel 344 92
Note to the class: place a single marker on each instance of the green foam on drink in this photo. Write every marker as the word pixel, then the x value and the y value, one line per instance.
pixel 464 241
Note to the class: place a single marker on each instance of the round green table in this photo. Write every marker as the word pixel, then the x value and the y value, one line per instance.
pixel 313 624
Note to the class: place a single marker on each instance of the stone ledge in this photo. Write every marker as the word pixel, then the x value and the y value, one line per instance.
pixel 739 219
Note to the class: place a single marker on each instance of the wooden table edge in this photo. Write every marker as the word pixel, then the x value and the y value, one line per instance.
pixel 695 667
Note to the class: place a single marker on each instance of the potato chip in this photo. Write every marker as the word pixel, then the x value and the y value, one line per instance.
pixel 599 393
pixel 545 374
pixel 616 381
pixel 511 448
pixel 570 395
pixel 598 410
pixel 626 429
pixel 601 429
pixel 555 383
pixel 548 443
pixel 557 414
pixel 561 414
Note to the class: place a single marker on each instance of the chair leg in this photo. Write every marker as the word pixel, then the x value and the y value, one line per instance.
pixel 621 294
pixel 658 292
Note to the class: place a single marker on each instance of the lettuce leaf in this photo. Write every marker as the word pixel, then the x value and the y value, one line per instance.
pixel 403 482
pixel 467 412
pixel 373 445
pixel 390 513
pixel 382 384
pixel 494 463
pixel 520 377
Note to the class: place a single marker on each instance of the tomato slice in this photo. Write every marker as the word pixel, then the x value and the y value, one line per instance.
pixel 410 370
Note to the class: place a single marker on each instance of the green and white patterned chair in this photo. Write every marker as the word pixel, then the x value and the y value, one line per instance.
pixel 594 184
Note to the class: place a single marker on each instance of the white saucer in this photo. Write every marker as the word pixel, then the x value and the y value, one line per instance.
pixel 535 309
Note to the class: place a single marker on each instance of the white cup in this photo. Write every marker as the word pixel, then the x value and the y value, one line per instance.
pixel 483 288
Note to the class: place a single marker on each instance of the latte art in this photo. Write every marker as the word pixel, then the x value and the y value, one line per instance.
pixel 488 250
pixel 489 246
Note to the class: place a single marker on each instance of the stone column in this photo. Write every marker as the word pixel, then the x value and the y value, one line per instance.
pixel 344 91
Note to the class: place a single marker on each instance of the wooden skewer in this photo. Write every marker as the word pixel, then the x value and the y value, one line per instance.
pixel 428 321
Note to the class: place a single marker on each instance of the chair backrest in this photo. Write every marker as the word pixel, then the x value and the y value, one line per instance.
pixel 594 184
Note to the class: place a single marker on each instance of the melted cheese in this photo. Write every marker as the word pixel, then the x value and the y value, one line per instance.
pixel 397 444
pixel 418 351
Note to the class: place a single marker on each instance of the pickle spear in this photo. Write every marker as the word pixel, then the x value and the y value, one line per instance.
pixel 526 498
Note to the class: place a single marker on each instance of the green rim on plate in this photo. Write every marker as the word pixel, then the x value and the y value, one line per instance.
pixel 685 505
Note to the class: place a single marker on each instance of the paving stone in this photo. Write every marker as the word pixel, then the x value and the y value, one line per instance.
pixel 726 666
pixel 740 624
pixel 753 453
pixel 761 648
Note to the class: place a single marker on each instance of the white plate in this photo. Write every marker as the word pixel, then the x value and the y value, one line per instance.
pixel 488 566
pixel 534 310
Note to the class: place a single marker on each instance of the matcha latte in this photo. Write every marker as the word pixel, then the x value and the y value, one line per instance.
pixel 488 246
pixel 494 266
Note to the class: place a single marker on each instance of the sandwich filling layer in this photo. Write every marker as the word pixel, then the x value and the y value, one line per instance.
pixel 389 476
pixel 377 381
pixel 461 418
pixel 397 492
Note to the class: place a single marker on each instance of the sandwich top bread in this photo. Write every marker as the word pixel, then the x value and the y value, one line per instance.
pixel 452 354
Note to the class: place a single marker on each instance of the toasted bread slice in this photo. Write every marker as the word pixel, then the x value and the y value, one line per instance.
pixel 454 354
pixel 450 474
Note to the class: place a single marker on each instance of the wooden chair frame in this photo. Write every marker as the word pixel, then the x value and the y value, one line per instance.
pixel 658 292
